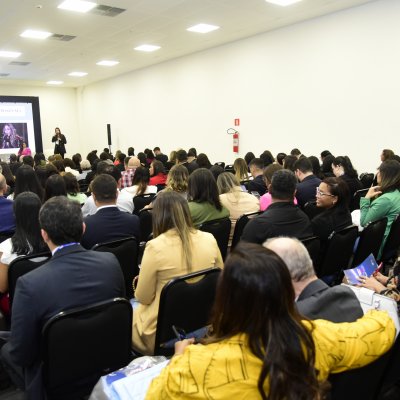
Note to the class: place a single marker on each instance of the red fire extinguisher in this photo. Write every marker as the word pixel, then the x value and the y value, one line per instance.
pixel 236 142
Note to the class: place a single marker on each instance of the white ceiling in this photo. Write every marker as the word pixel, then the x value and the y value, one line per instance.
pixel 159 22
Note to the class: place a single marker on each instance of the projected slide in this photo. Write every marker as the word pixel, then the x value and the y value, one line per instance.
pixel 16 127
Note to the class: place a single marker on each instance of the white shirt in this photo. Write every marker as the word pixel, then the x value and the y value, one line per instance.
pixel 7 255
pixel 131 190
pixel 124 203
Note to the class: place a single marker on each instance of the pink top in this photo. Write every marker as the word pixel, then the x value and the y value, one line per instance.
pixel 266 200
pixel 25 152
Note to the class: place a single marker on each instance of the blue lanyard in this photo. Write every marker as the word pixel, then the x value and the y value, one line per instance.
pixel 65 245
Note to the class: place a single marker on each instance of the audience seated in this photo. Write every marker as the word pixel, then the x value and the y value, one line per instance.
pixel 383 200
pixel 241 169
pixel 160 156
pixel 234 199
pixel 124 200
pixel 10 179
pixel 55 186
pixel 266 199
pixel 73 277
pixel 177 249
pixel 314 298
pixel 204 203
pixel 260 347
pixel 332 196
pixel 7 218
pixel 182 159
pixel 282 218
pixel 308 181
pixel 178 180
pixel 108 223
pixel 72 188
pixel 26 180
pixel 256 167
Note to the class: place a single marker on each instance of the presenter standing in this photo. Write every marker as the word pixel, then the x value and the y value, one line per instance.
pixel 60 142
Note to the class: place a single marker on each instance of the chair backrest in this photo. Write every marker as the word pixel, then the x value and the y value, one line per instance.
pixel 21 266
pixel 355 201
pixel 338 251
pixel 146 224
pixel 392 242
pixel 370 241
pixel 141 201
pixel 311 209
pixel 367 179
pixel 81 345
pixel 313 246
pixel 220 163
pixel 245 183
pixel 185 304
pixel 126 250
pixel 220 229
pixel 229 168
pixel 160 187
pixel 239 226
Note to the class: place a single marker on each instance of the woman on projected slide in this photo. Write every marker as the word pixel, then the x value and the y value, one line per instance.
pixel 9 137
pixel 60 142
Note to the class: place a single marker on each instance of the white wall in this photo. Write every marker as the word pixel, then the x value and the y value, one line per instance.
pixel 329 83
pixel 58 107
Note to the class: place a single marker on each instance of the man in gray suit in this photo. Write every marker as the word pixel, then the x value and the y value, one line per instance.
pixel 314 298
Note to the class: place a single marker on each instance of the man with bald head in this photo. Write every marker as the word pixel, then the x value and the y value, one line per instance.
pixel 131 163
pixel 7 219
pixel 314 298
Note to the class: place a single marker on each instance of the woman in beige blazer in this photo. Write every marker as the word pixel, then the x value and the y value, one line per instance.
pixel 177 249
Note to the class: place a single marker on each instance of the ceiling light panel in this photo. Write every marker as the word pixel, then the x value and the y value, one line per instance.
pixel 78 74
pixel 9 54
pixel 77 5
pixel 283 3
pixel 32 34
pixel 54 82
pixel 147 47
pixel 107 63
pixel 202 28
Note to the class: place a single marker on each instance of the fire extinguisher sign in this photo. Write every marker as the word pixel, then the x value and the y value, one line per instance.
pixel 237 122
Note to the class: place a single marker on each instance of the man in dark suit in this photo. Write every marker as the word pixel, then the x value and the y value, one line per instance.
pixel 109 223
pixel 182 158
pixel 282 217
pixel 307 187
pixel 314 298
pixel 160 156
pixel 72 278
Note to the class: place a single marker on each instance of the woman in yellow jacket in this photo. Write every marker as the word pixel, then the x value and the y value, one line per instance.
pixel 261 347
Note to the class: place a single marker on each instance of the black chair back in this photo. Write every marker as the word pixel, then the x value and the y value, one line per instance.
pixel 392 242
pixel 355 201
pixel 367 179
pixel 126 250
pixel 239 227
pixel 146 224
pixel 229 168
pixel 186 304
pixel 21 266
pixel 220 163
pixel 313 246
pixel 141 201
pixel 338 251
pixel 220 229
pixel 81 345
pixel 245 183
pixel 311 209
pixel 370 241
pixel 160 187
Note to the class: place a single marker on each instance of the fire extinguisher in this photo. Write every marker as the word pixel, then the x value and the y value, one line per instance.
pixel 235 134
pixel 236 142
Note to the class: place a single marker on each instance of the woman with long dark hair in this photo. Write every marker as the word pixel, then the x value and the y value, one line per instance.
pixel 26 239
pixel 204 202
pixel 55 186
pixel 343 168
pixel 383 200
pixel 260 346
pixel 140 183
pixel 177 249
pixel 26 180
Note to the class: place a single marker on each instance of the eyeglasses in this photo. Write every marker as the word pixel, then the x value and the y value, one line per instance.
pixel 320 194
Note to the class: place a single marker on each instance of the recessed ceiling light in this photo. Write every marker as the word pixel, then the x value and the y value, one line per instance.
pixel 202 28
pixel 283 3
pixel 77 5
pixel 54 82
pixel 79 74
pixel 147 47
pixel 107 63
pixel 9 54
pixel 29 33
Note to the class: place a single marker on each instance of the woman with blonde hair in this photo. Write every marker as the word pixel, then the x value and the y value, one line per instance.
pixel 234 199
pixel 177 180
pixel 177 249
pixel 241 170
